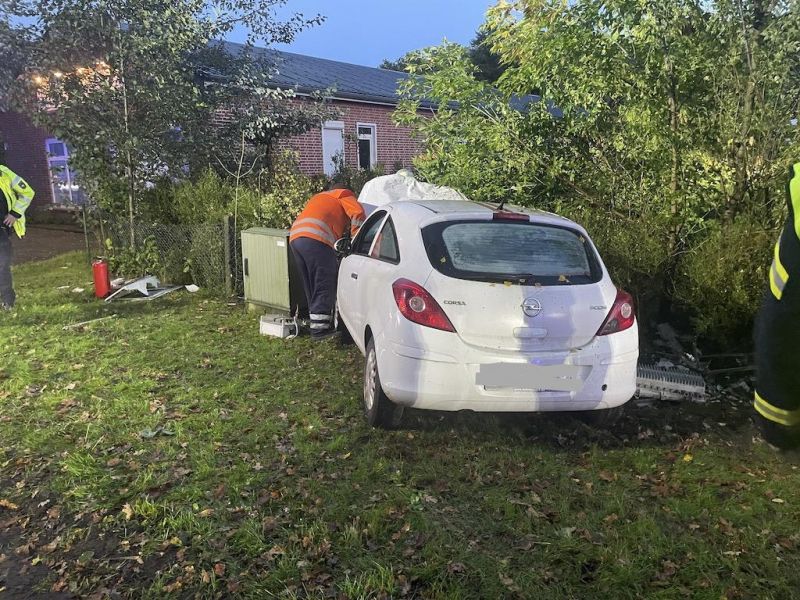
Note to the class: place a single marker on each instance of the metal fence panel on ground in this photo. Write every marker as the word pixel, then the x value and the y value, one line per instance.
pixel 207 254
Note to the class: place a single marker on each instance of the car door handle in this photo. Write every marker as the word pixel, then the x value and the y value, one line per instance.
pixel 354 275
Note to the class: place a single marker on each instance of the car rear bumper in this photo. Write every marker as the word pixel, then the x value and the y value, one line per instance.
pixel 423 379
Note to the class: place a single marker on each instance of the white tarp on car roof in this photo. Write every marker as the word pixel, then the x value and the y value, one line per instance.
pixel 402 186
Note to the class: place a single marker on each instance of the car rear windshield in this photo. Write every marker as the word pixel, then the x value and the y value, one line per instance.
pixel 522 253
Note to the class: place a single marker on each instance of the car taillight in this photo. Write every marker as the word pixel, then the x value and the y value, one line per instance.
pixel 418 306
pixel 621 316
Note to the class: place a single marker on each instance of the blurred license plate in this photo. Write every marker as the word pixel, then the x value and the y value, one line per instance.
pixel 525 377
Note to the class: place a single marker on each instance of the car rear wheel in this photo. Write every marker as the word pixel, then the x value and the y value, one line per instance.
pixel 379 410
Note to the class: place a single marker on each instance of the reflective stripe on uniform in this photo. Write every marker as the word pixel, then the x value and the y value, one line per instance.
pixel 318 222
pixel 320 325
pixel 789 418
pixel 794 197
pixel 320 317
pixel 778 275
pixel 323 234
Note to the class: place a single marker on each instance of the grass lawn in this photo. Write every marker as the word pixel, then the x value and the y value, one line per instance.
pixel 173 452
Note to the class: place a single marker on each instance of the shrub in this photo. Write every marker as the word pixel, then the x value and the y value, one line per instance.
pixel 723 279
pixel 634 250
pixel 354 178
pixel 134 262
pixel 280 197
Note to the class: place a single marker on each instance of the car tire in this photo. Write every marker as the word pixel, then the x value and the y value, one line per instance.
pixel 381 412
pixel 602 418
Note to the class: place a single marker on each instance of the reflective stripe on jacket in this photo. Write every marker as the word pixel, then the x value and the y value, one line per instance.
pixel 788 240
pixel 18 195
pixel 777 333
pixel 327 217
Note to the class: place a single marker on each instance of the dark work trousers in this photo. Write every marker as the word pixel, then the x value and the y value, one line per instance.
pixel 319 268
pixel 7 295
pixel 777 335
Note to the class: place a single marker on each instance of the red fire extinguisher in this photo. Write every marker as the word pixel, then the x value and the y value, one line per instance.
pixel 102 281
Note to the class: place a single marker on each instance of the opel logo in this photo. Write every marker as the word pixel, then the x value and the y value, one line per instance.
pixel 531 307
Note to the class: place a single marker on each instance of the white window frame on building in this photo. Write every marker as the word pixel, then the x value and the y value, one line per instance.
pixel 66 188
pixel 370 136
pixel 332 145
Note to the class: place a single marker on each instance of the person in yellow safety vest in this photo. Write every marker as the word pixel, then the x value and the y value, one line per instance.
pixel 15 197
pixel 777 335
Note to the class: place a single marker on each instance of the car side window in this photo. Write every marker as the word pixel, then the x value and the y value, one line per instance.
pixel 369 230
pixel 386 246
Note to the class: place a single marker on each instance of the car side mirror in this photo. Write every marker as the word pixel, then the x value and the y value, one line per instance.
pixel 342 246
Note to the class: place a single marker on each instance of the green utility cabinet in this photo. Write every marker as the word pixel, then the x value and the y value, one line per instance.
pixel 271 278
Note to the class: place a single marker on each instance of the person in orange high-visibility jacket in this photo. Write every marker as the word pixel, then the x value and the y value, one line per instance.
pixel 777 336
pixel 327 217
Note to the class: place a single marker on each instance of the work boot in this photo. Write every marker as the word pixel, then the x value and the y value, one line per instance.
pixel 323 334
pixel 779 436
pixel 6 307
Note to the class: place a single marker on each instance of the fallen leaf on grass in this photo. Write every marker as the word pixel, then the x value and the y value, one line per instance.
pixel 173 587
pixel 566 532
pixel 8 504
pixel 606 476
pixel 206 513
pixel 508 582
pixel 127 511
pixel 219 569
pixel 456 568
pixel 65 405
pixel 778 501
pixel 668 569
pixel 688 458
pixel 51 547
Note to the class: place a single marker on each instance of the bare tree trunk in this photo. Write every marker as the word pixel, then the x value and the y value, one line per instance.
pixel 674 127
pixel 129 170
pixel 741 158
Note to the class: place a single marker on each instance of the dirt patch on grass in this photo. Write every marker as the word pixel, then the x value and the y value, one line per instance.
pixel 18 577
pixel 41 243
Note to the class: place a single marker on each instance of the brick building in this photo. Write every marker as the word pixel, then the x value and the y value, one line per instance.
pixel 363 132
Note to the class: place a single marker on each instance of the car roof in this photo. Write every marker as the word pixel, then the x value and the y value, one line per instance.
pixel 447 208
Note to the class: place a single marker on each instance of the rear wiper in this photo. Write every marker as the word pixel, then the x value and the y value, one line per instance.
pixel 520 277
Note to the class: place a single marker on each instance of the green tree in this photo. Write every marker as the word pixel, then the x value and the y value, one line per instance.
pixel 668 119
pixel 480 53
pixel 135 85
pixel 490 68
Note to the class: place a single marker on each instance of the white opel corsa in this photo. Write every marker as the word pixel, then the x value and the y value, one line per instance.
pixel 460 306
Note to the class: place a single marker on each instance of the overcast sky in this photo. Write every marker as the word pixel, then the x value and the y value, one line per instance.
pixel 364 32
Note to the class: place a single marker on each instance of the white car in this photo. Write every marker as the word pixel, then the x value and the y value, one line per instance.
pixel 460 306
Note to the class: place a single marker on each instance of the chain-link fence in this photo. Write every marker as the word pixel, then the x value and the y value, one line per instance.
pixel 208 254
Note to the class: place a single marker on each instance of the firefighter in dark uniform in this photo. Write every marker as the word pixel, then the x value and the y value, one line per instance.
pixel 777 335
